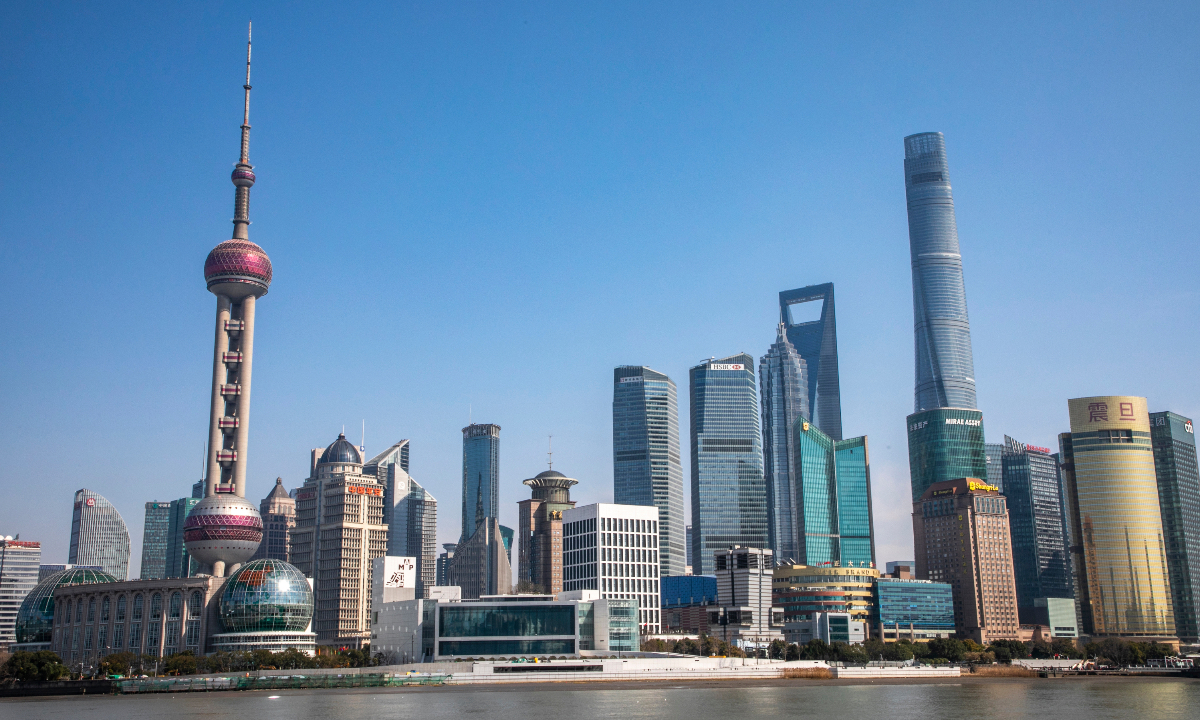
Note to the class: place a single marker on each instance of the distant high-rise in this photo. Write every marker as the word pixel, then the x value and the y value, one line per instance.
pixel 409 511
pixel 19 563
pixel 833 500
pixel 1037 525
pixel 729 495
pixel 278 511
pixel 481 474
pixel 816 342
pixel 443 563
pixel 99 535
pixel 180 563
pixel 1174 440
pixel 540 531
pixel 993 454
pixel 783 378
pixel 480 565
pixel 945 367
pixel 611 549
pixel 1118 553
pixel 647 469
pixel 154 541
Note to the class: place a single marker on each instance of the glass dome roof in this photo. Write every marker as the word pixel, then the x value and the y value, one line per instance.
pixel 341 451
pixel 35 619
pixel 266 596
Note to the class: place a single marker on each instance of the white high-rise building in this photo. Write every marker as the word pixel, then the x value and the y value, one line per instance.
pixel 19 561
pixel 99 535
pixel 614 549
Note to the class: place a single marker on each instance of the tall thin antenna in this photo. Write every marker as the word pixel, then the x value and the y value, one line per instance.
pixel 246 115
pixel 362 445
pixel 550 451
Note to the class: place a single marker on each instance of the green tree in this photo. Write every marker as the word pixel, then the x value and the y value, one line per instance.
pixel 181 663
pixel 121 663
pixel 1066 647
pixel 31 666
pixel 777 650
pixel 793 651
pixel 919 650
pixel 817 649
pixel 949 648
pixel 898 652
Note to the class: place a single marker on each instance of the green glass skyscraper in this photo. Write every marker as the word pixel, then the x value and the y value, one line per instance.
pixel 729 494
pixel 833 499
pixel 154 541
pixel 945 444
pixel 1174 440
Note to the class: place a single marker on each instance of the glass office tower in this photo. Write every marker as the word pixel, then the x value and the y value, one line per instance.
pixel 994 456
pixel 1118 552
pixel 154 541
pixel 943 445
pixel 833 500
pixel 180 563
pixel 481 475
pixel 816 342
pixel 99 535
pixel 945 367
pixel 783 377
pixel 1037 525
pixel 729 495
pixel 647 468
pixel 1174 440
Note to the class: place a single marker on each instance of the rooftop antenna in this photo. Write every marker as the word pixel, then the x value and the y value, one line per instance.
pixel 362 445
pixel 550 451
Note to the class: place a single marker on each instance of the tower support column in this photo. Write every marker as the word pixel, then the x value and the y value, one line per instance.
pixel 217 410
pixel 243 404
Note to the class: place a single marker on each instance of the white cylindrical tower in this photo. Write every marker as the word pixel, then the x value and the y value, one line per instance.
pixel 223 530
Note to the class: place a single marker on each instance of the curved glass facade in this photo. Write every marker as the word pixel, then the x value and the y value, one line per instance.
pixel 833 499
pixel 519 620
pixel 264 596
pixel 98 535
pixel 35 619
pixel 944 445
pixel 945 367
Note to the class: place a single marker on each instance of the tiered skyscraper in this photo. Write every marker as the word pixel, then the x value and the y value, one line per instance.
pixel 945 434
pixel 647 469
pixel 223 528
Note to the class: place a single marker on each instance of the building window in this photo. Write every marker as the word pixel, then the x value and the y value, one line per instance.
pixel 193 633
pixel 194 604
pixel 156 607
pixel 176 606
pixel 135 636
pixel 101 638
pixel 121 609
pixel 79 610
pixel 137 610
pixel 118 630
pixel 104 604
pixel 91 610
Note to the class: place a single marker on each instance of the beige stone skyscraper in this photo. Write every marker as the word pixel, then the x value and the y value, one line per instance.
pixel 1121 581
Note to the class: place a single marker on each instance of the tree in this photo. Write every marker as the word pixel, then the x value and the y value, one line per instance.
pixel 31 666
pixel 655 645
pixel 949 648
pixel 181 663
pixel 525 587
pixel 1066 647
pixel 817 649
pixel 793 651
pixel 777 650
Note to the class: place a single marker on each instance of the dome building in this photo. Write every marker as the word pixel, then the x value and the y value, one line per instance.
pixel 540 544
pixel 335 549
pixel 35 618
pixel 266 605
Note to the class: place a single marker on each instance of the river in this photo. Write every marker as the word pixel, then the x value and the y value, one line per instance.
pixel 994 699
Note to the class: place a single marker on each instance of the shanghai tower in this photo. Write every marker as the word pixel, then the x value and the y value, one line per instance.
pixel 223 530
pixel 945 369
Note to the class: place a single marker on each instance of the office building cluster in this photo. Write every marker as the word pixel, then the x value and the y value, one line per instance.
pixel 1100 537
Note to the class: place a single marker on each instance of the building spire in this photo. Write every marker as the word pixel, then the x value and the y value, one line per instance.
pixel 243 174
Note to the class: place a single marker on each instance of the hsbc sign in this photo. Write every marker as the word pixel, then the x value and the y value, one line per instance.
pixel 726 366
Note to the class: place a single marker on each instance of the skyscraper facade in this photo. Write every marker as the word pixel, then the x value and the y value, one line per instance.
pixel 614 549
pixel 154 541
pixel 729 495
pixel 278 511
pixel 994 457
pixel 783 377
pixel 481 474
pixel 223 528
pixel 961 534
pixel 833 500
pixel 180 563
pixel 1119 557
pixel 540 531
pixel 944 363
pixel 339 532
pixel 1174 440
pixel 1037 525
pixel 815 340
pixel 99 535
pixel 19 564
pixel 480 565
pixel 944 445
pixel 647 469
pixel 409 511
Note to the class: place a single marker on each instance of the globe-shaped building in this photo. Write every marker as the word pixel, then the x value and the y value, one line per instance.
pixel 266 604
pixel 35 618
pixel 223 528
pixel 237 268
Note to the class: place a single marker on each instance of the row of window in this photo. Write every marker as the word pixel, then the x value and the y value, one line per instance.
pixel 63 611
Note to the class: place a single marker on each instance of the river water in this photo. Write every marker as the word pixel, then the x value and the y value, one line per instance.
pixel 1045 699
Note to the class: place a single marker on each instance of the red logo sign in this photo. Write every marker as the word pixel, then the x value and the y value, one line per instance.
pixel 91 502
pixel 1127 411
pixel 1098 412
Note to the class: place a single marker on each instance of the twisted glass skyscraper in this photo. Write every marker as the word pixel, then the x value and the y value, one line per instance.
pixel 945 368
pixel 646 465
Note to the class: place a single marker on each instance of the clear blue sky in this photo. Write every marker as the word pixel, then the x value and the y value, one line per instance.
pixel 488 206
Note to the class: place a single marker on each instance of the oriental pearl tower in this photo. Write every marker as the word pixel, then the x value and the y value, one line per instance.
pixel 223 530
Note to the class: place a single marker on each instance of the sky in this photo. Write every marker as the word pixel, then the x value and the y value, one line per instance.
pixel 475 211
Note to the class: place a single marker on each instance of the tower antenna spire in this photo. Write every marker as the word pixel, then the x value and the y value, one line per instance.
pixel 243 173
pixel 550 451
pixel 246 115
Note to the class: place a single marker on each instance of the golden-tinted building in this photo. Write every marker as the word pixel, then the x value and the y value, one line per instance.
pixel 961 534
pixel 1122 586
pixel 804 589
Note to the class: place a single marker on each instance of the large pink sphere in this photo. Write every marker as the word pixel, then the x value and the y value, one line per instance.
pixel 238 268
pixel 222 527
